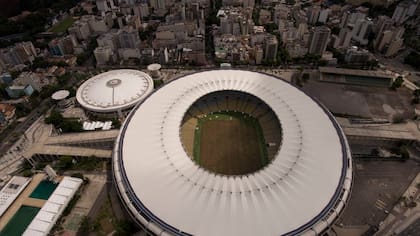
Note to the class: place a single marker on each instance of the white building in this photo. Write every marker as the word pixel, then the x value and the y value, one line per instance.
pixel 114 93
pixel 103 55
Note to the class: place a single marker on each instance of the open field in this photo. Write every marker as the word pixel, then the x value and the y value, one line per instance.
pixel 229 143
pixel 62 26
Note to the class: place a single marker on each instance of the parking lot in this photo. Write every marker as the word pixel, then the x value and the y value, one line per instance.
pixel 377 186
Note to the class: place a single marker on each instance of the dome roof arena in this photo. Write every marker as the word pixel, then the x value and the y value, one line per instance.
pixel 301 191
pixel 114 90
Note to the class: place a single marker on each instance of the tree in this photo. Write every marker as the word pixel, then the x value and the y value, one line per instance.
pixel 416 98
pixel 3 93
pixel 397 83
pixel 81 58
pixel 124 227
pixel 270 27
pixel 85 225
pixel 116 123
pixel 404 153
pixel 413 60
pixel 69 125
pixel 55 118
pixel 416 93
pixel 65 162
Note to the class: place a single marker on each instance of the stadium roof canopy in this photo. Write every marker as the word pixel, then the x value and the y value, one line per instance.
pixel 300 192
pixel 114 90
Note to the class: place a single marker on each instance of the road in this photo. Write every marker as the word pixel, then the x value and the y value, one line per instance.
pixel 20 128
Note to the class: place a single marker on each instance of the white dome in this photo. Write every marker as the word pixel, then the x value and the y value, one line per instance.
pixel 114 90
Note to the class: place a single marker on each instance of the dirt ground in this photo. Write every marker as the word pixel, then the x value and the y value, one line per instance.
pixel 364 101
pixel 229 147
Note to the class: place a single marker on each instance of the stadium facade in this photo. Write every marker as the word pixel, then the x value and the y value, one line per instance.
pixel 114 93
pixel 300 192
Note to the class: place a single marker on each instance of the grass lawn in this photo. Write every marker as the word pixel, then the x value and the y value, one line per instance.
pixel 229 143
pixel 62 26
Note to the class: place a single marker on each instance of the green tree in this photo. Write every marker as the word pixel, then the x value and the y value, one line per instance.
pixel 397 83
pixel 55 118
pixel 3 93
pixel 69 125
pixel 124 227
pixel 65 162
pixel 85 225
pixel 81 58
pixel 413 60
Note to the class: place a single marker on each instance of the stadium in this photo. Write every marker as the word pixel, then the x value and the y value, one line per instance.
pixel 112 94
pixel 232 152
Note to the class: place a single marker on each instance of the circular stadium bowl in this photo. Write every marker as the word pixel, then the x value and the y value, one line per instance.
pixel 301 191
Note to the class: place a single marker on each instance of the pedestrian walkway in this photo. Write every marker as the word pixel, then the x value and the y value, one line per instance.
pixel 402 216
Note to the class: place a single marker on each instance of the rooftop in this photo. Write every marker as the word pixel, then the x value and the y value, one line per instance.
pixel 303 189
pixel 60 95
pixel 114 90
pixel 343 71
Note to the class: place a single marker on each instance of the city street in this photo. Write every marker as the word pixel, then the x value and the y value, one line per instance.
pixel 20 128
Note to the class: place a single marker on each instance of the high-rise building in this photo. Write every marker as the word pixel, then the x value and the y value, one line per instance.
pixel 344 38
pixel 102 5
pixel 271 46
pixel 403 11
pixel 386 37
pixel 383 39
pixel 394 46
pixel 361 30
pixel 382 23
pixel 128 38
pixel 103 54
pixel 25 52
pixel 56 48
pixel 143 10
pixel 318 40
pixel 259 52
pixel 158 4
pixel 67 44
pixel 248 3
pixel 80 29
pixel 313 14
pixel 110 39
pixel 323 15
pixel 225 25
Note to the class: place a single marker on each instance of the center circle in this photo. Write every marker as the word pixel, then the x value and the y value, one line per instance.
pixel 231 132
pixel 113 83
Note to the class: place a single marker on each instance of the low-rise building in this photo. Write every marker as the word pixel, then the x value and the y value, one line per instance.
pixel 355 55
pixel 17 91
pixel 7 114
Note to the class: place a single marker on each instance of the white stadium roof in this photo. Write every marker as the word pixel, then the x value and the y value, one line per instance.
pixel 301 191
pixel 114 90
